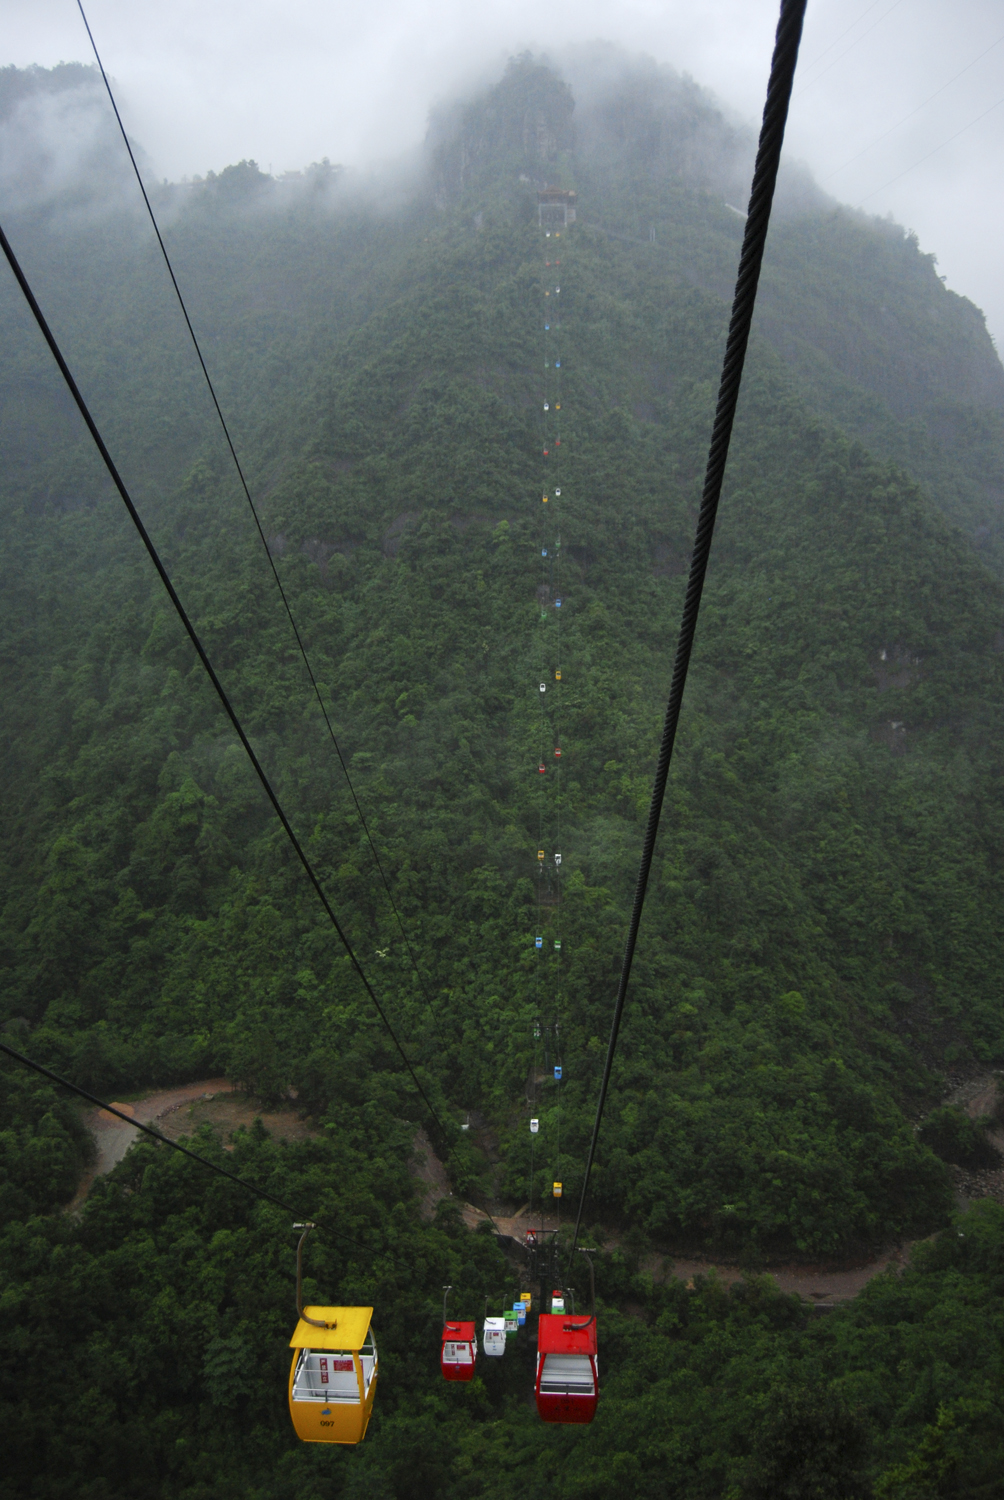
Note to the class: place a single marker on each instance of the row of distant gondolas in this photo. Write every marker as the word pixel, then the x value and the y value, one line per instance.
pixel 333 1376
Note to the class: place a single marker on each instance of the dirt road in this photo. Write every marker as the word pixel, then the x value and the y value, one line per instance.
pixel 176 1112
pixel 179 1111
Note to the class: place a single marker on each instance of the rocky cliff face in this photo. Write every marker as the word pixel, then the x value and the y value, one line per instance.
pixel 515 132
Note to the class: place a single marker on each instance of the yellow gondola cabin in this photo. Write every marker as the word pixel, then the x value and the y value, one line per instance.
pixel 333 1377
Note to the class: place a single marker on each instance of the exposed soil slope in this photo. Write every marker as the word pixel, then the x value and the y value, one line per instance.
pixel 179 1112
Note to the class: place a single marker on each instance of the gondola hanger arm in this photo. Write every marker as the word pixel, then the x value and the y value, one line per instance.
pixel 588 1252
pixel 314 1322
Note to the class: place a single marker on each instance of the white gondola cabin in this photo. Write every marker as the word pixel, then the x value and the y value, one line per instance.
pixel 493 1337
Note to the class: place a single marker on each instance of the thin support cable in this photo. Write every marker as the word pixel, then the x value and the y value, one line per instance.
pixel 876 140
pixel 782 72
pixel 206 663
pixel 812 81
pixel 533 1116
pixel 247 495
pixel 921 160
pixel 249 1187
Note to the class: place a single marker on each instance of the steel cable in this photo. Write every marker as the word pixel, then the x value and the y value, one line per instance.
pixel 782 72
pixel 247 495
pixel 865 150
pixel 921 160
pixel 207 664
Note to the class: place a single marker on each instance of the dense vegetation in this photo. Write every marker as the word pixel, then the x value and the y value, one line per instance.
pixel 146 1350
pixel 823 938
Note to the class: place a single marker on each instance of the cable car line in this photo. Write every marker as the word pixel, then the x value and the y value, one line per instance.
pixel 839 38
pixel 203 1161
pixel 247 495
pixel 775 112
pixel 207 664
pixel 549 723
pixel 920 162
pixel 811 82
pixel 923 105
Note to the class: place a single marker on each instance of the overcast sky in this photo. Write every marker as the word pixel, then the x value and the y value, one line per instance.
pixel 898 106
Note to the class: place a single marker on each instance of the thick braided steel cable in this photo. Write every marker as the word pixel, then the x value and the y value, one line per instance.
pixel 210 670
pixel 254 510
pixel 775 114
pixel 249 1187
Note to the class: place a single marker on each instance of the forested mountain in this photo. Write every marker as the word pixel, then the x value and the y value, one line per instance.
pixel 822 944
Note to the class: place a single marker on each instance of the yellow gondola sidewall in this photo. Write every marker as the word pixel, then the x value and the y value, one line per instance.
pixel 334 1421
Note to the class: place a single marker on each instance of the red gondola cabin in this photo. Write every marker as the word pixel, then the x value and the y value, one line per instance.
pixel 460 1350
pixel 566 1368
